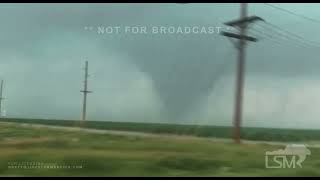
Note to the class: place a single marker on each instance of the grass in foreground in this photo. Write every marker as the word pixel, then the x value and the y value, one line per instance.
pixel 110 155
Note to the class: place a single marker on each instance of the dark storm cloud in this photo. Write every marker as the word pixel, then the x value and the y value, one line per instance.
pixel 141 76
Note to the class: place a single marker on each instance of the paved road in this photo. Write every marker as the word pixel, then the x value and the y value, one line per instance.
pixel 151 135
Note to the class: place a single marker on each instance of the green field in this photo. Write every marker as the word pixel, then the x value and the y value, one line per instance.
pixel 263 134
pixel 111 155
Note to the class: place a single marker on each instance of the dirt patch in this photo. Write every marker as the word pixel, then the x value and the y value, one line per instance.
pixel 17 141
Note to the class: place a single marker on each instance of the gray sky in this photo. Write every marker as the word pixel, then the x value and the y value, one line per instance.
pixel 156 77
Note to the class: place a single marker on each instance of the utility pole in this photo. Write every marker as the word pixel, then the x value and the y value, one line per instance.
pixel 242 25
pixel 85 92
pixel 1 97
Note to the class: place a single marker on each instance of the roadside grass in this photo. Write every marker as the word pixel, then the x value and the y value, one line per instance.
pixel 113 155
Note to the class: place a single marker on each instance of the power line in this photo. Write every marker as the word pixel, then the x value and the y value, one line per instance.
pixel 281 38
pixel 293 34
pixel 293 13
pixel 267 37
pixel 289 35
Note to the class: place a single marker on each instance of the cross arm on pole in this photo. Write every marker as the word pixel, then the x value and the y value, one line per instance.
pixel 86 91
pixel 237 36
pixel 239 22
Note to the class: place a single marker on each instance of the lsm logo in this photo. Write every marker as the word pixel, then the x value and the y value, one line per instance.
pixel 281 158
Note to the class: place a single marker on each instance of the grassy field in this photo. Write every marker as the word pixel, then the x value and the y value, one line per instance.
pixel 111 155
pixel 264 134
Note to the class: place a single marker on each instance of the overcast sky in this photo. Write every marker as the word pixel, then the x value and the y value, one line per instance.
pixel 154 77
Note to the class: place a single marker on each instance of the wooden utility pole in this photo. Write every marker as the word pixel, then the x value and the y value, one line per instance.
pixel 242 25
pixel 1 97
pixel 85 92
